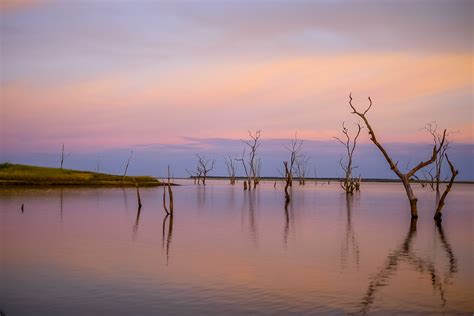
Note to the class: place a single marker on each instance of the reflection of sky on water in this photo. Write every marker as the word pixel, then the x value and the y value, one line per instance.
pixel 229 251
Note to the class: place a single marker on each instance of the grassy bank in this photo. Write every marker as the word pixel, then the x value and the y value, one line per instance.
pixel 13 174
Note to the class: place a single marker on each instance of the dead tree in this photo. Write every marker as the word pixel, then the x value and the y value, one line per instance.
pixel 194 175
pixel 247 174
pixel 295 149
pixel 167 187
pixel 404 177
pixel 126 165
pixel 230 164
pixel 63 156
pixel 170 193
pixel 203 167
pixel 435 179
pixel 253 164
pixel 139 200
pixel 287 182
pixel 349 184
pixel 440 205
pixel 302 168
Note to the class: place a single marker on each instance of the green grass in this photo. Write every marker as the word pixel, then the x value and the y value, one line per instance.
pixel 14 174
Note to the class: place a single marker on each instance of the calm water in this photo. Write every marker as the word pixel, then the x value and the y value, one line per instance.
pixel 89 252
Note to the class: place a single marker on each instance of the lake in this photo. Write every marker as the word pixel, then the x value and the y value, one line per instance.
pixel 226 251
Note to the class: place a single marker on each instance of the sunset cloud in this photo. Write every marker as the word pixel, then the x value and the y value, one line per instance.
pixel 95 75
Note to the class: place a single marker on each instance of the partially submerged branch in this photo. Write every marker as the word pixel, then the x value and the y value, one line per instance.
pixel 404 177
pixel 139 200
pixel 349 184
pixel 204 166
pixel 287 182
pixel 454 173
pixel 230 164
pixel 253 163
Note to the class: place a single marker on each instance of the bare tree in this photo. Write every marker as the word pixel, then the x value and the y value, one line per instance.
pixel 196 176
pixel 126 165
pixel 295 151
pixel 404 177
pixel 63 156
pixel 435 179
pixel 139 200
pixel 170 193
pixel 302 168
pixel 287 183
pixel 204 166
pixel 349 184
pixel 253 163
pixel 247 174
pixel 230 164
pixel 454 173
pixel 167 187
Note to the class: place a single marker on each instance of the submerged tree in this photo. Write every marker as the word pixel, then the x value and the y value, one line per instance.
pixel 349 184
pixel 435 173
pixel 253 165
pixel 230 164
pixel 295 151
pixel 204 166
pixel 167 187
pixel 404 177
pixel 440 205
pixel 287 182
pixel 302 168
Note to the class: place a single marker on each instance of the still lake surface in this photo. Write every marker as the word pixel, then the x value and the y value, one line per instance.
pixel 227 252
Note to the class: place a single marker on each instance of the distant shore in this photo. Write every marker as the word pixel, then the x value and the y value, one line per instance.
pixel 309 180
pixel 25 175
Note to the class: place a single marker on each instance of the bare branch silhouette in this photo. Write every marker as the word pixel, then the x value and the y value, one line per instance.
pixel 126 165
pixel 404 177
pixel 432 129
pixel 295 151
pixel 63 156
pixel 204 166
pixel 349 184
pixel 253 165
pixel 454 173
pixel 229 160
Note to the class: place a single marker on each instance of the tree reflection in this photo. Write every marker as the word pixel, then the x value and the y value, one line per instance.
pixel 167 236
pixel 406 253
pixel 249 204
pixel 351 244
pixel 286 227
pixel 135 226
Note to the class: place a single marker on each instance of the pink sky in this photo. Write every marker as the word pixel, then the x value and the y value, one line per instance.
pixel 97 75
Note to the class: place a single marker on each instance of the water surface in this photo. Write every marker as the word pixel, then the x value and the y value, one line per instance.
pixel 226 251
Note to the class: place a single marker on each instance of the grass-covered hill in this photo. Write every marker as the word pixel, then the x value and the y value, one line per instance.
pixel 14 174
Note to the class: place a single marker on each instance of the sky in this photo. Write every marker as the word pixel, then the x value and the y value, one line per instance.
pixel 171 79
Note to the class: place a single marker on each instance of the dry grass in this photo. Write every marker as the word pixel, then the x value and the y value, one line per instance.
pixel 32 175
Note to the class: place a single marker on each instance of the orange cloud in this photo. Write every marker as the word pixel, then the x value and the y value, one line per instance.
pixel 306 93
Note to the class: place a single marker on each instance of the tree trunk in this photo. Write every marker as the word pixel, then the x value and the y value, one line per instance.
pixel 454 173
pixel 411 196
